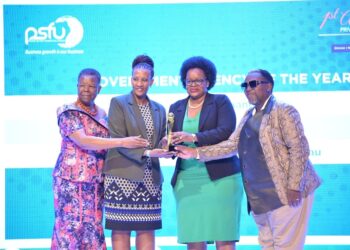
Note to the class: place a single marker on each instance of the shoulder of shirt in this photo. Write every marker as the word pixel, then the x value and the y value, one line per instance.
pixel 66 107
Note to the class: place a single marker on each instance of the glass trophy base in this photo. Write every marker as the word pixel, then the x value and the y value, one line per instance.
pixel 171 148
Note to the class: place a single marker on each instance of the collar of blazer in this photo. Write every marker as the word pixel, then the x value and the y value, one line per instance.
pixel 156 115
pixel 181 110
pixel 132 101
pixel 183 103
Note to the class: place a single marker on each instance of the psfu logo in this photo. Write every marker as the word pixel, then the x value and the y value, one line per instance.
pixel 66 31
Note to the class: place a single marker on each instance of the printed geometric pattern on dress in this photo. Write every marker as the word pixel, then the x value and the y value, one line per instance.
pixel 147 179
pixel 139 210
pixel 141 206
pixel 147 117
pixel 119 188
pixel 133 217
pixel 117 193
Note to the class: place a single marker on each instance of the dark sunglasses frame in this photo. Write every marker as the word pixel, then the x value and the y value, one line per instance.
pixel 252 84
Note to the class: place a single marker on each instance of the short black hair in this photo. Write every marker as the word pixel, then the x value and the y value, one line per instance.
pixel 90 72
pixel 264 73
pixel 202 63
pixel 143 61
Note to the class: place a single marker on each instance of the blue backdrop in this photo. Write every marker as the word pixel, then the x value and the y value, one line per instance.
pixel 305 44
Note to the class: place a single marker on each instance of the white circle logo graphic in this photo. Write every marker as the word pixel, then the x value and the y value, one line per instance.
pixel 76 33
pixel 68 36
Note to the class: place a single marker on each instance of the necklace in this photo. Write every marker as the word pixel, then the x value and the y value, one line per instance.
pixel 92 111
pixel 195 107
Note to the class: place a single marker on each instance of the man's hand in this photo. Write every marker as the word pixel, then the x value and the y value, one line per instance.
pixel 185 152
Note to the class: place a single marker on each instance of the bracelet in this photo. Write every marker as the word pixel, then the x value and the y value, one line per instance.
pixel 197 156
pixel 193 138
pixel 148 153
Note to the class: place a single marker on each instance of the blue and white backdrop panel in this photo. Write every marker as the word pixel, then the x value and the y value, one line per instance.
pixel 305 44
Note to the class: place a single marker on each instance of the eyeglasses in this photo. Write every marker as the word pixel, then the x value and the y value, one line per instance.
pixel 195 83
pixel 252 84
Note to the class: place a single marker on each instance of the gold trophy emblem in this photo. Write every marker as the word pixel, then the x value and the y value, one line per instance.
pixel 170 125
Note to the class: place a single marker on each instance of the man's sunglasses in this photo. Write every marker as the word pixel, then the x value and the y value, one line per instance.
pixel 252 84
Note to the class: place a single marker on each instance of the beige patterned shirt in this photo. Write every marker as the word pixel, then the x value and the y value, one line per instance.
pixel 285 148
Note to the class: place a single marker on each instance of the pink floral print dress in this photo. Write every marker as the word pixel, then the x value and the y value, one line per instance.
pixel 78 183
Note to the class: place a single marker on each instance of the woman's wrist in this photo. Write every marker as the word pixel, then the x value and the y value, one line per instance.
pixel 194 138
pixel 120 142
pixel 147 153
pixel 197 154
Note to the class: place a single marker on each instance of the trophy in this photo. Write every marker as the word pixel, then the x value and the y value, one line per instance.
pixel 170 125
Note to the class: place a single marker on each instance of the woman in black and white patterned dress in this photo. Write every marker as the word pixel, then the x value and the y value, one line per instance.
pixel 133 178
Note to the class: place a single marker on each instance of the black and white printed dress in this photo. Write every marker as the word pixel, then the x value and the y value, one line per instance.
pixel 132 205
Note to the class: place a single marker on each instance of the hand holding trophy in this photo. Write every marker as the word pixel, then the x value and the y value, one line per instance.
pixel 170 124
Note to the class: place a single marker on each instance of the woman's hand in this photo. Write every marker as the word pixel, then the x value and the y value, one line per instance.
pixel 185 152
pixel 179 137
pixel 133 142
pixel 163 142
pixel 161 153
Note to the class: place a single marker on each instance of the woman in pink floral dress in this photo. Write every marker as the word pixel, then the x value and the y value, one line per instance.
pixel 77 177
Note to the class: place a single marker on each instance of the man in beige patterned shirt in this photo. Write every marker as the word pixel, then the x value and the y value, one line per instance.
pixel 279 179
